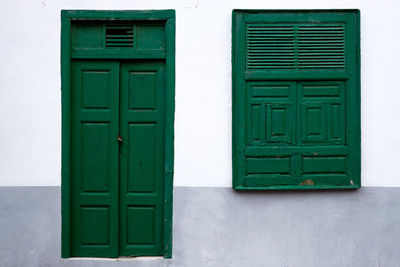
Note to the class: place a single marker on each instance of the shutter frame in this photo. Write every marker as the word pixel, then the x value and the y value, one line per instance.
pixel 329 93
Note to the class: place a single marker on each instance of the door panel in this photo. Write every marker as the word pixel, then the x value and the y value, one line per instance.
pixel 138 97
pixel 142 158
pixel 142 154
pixel 117 203
pixel 96 170
pixel 95 162
pixel 141 221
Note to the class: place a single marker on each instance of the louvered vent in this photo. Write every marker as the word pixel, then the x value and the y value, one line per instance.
pixel 300 46
pixel 270 46
pixel 119 36
pixel 320 46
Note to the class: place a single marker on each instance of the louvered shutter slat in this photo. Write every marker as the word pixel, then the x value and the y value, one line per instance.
pixel 295 46
pixel 321 37
pixel 270 47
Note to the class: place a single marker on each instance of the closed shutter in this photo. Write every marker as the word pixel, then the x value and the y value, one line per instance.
pixel 296 99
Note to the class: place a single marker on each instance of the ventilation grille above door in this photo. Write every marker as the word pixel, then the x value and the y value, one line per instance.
pixel 295 46
pixel 119 35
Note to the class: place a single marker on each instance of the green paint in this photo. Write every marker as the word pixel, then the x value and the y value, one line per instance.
pixel 150 37
pixel 296 99
pixel 142 158
pixel 117 197
pixel 94 159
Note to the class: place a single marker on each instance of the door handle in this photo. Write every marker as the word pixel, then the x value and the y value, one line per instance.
pixel 120 140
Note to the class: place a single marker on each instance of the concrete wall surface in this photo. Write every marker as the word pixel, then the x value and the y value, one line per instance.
pixel 220 227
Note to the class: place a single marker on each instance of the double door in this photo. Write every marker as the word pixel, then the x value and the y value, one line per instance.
pixel 118 143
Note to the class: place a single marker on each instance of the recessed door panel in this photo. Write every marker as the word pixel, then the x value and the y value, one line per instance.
pixel 142 155
pixel 142 225
pixel 96 176
pixel 142 89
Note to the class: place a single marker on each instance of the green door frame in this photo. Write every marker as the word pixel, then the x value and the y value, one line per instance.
pixel 67 17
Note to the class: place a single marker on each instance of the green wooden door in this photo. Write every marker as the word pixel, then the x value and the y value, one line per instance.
pixel 142 158
pixel 117 84
pixel 117 183
pixel 94 165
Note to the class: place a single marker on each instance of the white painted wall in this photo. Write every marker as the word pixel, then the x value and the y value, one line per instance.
pixel 30 99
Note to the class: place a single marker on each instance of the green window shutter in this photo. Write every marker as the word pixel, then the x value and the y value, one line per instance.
pixel 296 99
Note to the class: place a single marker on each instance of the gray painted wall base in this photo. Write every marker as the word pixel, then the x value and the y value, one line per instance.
pixel 221 227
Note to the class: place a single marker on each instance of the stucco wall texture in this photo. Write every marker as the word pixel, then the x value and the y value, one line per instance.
pixel 30 96
pixel 220 227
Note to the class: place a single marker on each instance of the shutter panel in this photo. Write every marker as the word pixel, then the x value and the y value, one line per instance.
pixel 295 46
pixel 296 112
pixel 270 46
pixel 320 46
